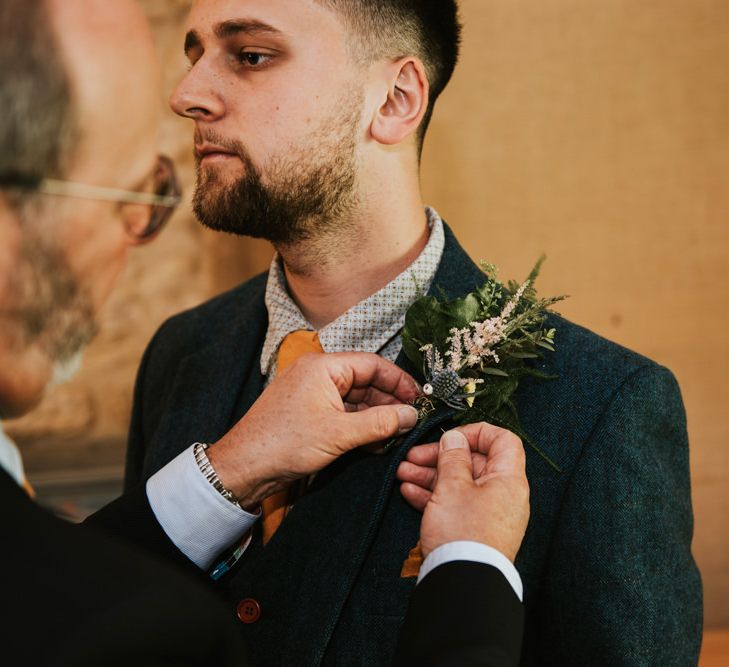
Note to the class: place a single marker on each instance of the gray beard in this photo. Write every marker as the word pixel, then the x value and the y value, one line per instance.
pixel 47 307
pixel 65 371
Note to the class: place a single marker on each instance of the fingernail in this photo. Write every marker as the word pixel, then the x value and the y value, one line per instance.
pixel 407 416
pixel 453 440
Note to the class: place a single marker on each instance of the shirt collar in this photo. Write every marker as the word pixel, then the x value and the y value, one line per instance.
pixel 366 327
pixel 10 460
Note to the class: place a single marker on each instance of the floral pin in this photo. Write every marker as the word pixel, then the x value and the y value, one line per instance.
pixel 473 351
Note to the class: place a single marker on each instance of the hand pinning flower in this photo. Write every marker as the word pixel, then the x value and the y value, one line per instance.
pixel 474 350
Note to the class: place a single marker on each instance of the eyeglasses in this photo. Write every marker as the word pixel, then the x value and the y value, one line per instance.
pixel 144 213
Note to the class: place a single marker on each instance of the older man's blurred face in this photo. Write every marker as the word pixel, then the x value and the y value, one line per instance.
pixel 73 250
pixel 111 60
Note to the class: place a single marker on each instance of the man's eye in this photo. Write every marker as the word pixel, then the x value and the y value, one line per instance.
pixel 254 59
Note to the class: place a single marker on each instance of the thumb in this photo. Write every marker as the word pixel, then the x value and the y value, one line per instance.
pixel 454 458
pixel 378 423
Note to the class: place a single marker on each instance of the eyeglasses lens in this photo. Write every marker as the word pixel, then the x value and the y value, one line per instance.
pixel 145 221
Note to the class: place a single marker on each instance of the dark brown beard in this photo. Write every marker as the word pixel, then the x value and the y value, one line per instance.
pixel 304 196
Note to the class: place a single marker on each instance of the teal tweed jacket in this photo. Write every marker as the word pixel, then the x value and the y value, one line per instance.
pixel 608 574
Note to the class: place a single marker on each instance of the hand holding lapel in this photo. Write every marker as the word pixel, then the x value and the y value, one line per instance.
pixel 360 397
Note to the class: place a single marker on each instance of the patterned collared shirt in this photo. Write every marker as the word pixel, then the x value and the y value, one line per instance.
pixel 372 325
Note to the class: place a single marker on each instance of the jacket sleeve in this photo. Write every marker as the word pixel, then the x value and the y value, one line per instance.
pixel 136 441
pixel 462 614
pixel 130 518
pixel 621 586
pixel 153 613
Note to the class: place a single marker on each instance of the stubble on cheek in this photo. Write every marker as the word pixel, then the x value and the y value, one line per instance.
pixel 304 192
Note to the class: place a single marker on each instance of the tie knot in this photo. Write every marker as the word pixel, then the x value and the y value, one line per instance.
pixel 296 344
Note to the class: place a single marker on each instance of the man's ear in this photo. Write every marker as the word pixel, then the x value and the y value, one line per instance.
pixel 406 103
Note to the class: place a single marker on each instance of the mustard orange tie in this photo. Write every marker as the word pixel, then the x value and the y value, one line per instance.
pixel 276 507
pixel 413 563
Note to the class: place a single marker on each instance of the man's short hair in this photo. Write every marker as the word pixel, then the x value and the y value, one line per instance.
pixel 35 98
pixel 428 29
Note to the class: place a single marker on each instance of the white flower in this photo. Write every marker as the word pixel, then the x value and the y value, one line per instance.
pixel 433 358
pixel 509 307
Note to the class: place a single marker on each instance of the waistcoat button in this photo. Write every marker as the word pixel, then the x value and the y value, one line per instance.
pixel 248 610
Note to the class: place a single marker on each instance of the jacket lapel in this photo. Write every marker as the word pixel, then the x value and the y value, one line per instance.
pixel 374 488
pixel 373 485
pixel 457 275
pixel 214 385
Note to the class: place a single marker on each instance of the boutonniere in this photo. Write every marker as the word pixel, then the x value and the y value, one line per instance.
pixel 473 351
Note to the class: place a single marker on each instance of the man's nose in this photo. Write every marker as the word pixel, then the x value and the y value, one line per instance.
pixel 196 96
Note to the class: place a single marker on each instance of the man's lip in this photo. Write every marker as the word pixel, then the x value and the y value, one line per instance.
pixel 205 150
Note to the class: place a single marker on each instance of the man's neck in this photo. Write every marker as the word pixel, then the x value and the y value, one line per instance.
pixel 326 277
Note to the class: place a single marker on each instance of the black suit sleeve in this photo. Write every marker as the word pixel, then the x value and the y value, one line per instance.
pixel 462 614
pixel 130 518
pixel 134 464
pixel 112 605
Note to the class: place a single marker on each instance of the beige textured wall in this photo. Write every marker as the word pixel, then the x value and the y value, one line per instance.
pixel 596 131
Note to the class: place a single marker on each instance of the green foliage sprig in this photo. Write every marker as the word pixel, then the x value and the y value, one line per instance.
pixel 475 350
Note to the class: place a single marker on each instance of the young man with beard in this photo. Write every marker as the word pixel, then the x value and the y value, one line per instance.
pixel 309 117
pixel 77 189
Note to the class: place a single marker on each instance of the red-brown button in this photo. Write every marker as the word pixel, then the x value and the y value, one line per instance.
pixel 248 610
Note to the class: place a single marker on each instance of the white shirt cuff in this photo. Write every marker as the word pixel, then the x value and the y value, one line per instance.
pixel 198 520
pixel 476 552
